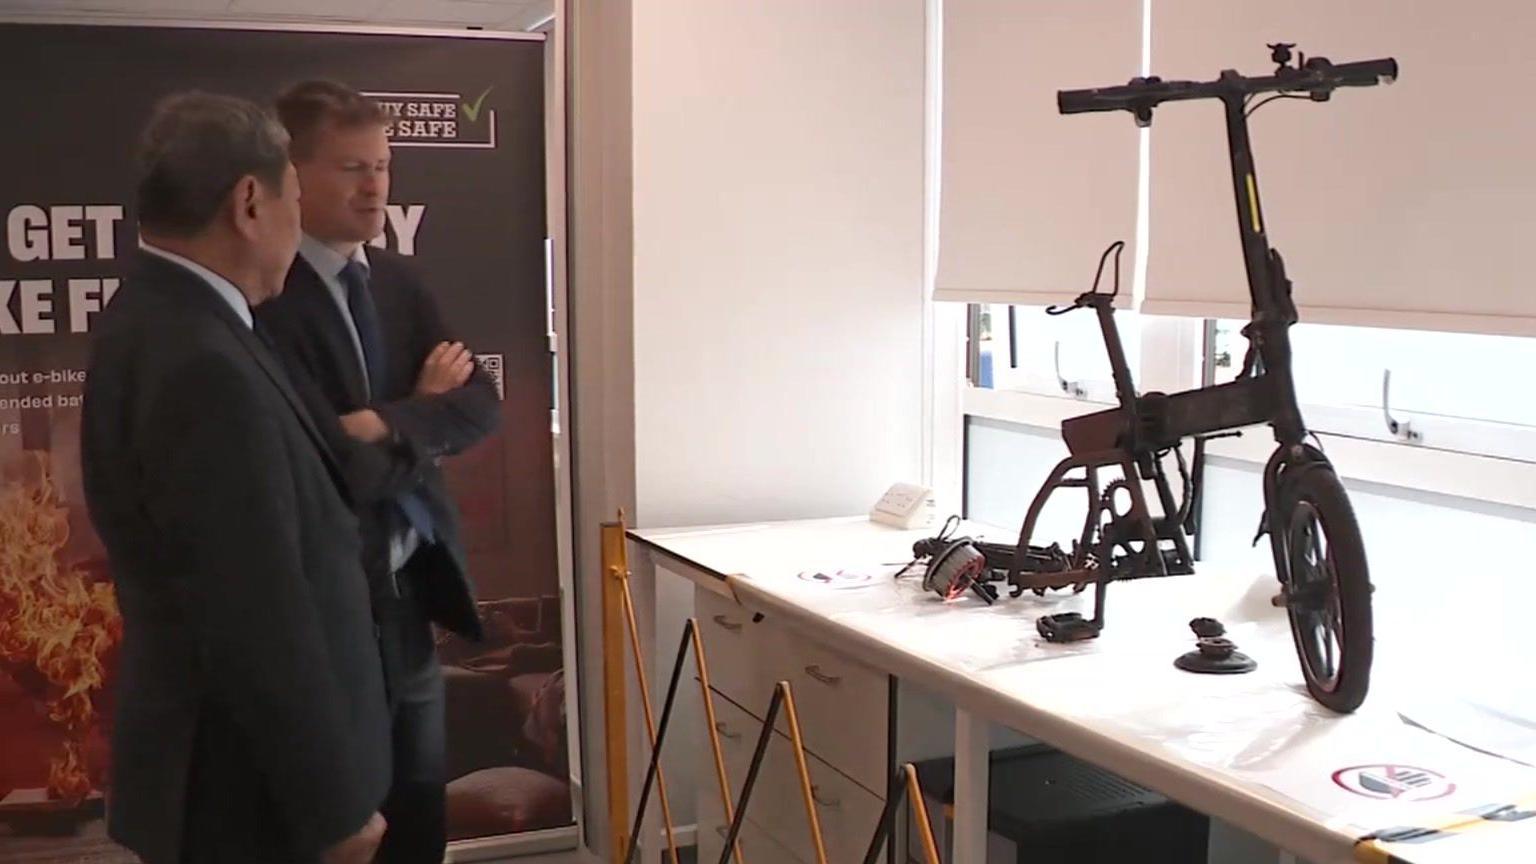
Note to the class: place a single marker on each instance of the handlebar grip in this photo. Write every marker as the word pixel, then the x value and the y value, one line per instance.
pixel 1365 73
pixel 1094 99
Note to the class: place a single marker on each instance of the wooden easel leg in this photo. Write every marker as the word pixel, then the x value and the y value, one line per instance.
pixel 920 813
pixel 806 793
pixel 763 738
pixel 615 565
pixel 905 786
pixel 714 735
pixel 645 703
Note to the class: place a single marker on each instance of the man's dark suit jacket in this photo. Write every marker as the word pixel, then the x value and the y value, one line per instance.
pixel 251 711
pixel 311 334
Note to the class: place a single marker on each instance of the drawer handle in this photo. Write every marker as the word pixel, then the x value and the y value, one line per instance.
pixel 727 623
pixel 725 733
pixel 834 803
pixel 829 680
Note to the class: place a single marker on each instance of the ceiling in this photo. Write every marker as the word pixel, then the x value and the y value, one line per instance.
pixel 453 14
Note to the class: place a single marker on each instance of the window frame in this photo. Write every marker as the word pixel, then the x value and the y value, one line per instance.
pixel 1448 433
pixel 1095 391
pixel 1356 439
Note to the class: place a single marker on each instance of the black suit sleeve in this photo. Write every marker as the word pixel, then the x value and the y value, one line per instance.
pixel 219 486
pixel 374 472
pixel 449 423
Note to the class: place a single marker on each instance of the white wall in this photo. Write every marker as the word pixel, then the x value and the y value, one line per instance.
pixel 778 222
pixel 778 270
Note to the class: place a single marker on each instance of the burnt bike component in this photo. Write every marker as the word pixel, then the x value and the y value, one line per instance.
pixel 1214 653
pixel 1319 557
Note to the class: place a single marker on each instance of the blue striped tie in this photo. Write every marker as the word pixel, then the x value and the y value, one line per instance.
pixel 370 336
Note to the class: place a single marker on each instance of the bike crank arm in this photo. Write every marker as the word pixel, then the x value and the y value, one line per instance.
pixel 1061 579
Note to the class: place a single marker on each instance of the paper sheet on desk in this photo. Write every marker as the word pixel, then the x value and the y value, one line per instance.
pixel 1362 774
pixel 969 635
pixel 822 587
pixel 1420 797
pixel 1504 727
pixel 965 634
pixel 1383 774
pixel 1366 774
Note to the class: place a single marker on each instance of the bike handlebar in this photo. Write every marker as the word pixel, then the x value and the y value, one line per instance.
pixel 1317 77
pixel 1366 73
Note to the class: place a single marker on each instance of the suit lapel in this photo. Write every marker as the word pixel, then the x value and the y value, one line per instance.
pixel 263 356
pixel 269 364
pixel 316 298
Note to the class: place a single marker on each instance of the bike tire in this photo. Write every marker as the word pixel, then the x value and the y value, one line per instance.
pixel 1336 578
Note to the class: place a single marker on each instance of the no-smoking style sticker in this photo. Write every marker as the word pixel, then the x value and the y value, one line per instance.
pixel 1394 782
pixel 837 578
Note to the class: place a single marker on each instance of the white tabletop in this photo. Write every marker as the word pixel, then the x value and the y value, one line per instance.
pixel 1253 750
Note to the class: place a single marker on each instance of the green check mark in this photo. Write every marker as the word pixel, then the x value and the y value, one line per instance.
pixel 473 111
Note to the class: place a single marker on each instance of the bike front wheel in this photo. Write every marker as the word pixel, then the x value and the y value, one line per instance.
pixel 1327 586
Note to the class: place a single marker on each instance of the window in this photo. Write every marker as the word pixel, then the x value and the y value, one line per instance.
pixel 1459 392
pixel 1410 535
pixel 1020 348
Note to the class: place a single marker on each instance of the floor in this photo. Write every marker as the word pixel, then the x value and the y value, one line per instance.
pixel 99 850
pixel 583 858
pixel 557 858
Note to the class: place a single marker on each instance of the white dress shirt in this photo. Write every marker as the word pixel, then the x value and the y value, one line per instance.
pixel 329 263
pixel 221 286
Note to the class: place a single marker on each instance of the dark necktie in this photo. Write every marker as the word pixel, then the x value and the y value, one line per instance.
pixel 365 317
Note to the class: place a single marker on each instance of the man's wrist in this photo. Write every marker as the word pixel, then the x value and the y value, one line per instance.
pixel 367 426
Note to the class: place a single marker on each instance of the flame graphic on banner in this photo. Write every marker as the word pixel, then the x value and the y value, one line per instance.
pixel 57 629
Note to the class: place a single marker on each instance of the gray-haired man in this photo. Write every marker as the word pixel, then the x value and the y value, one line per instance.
pixel 251 723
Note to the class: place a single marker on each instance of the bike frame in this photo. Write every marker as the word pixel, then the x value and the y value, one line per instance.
pixel 1142 427
pixel 1264 392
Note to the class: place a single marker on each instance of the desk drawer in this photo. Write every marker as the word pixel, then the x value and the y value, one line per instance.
pixel 847 811
pixel 734 645
pixel 843 703
pixel 737 731
pixel 843 707
pixel 756 846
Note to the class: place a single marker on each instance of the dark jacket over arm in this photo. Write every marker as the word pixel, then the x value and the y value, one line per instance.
pixel 446 424
pixel 219 484
pixel 311 334
pixel 250 670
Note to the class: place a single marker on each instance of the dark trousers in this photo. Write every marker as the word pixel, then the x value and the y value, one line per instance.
pixel 415 808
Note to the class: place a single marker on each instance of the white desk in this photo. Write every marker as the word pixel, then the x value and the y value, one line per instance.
pixel 1253 750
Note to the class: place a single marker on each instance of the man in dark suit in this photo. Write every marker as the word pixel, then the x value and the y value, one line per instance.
pixel 251 725
pixel 361 325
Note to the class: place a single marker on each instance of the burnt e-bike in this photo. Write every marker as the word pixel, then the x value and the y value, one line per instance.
pixel 1318 554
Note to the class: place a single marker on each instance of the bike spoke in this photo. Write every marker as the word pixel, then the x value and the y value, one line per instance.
pixel 1315 555
pixel 1329 658
pixel 1315 607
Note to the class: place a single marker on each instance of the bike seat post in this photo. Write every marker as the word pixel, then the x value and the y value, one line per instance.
pixel 1125 387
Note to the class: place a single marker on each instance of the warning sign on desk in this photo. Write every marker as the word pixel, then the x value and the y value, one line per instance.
pixel 1404 783
pixel 836 578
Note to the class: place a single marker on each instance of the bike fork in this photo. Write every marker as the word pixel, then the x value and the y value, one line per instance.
pixel 1286 458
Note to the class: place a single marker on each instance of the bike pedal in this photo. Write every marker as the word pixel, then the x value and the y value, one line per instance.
pixel 1174 564
pixel 1067 627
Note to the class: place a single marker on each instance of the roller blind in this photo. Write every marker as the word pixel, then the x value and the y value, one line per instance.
pixel 1029 198
pixel 1395 206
